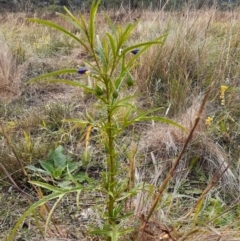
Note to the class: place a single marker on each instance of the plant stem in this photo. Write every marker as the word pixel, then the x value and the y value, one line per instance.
pixel 13 150
pixel 171 172
pixel 111 153
pixel 111 167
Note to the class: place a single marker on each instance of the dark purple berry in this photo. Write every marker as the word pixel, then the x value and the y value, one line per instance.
pixel 135 51
pixel 82 70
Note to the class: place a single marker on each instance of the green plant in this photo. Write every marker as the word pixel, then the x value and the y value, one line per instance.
pixel 57 165
pixel 108 79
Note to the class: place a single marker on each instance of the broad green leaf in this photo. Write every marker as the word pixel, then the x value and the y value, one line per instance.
pixel 58 172
pixel 60 159
pixel 48 167
pixel 72 166
pixel 82 177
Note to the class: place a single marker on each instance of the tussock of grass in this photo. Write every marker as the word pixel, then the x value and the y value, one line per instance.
pixel 201 48
pixel 9 73
pixel 163 143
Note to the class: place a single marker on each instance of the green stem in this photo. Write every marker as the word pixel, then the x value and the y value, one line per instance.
pixel 111 153
pixel 111 168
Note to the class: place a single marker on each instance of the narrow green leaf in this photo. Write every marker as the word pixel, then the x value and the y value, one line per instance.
pixel 101 53
pixel 112 44
pixel 124 197
pixel 100 232
pixel 72 178
pixel 144 47
pixel 160 119
pixel 93 11
pixel 59 72
pixel 121 77
pixel 111 24
pixel 47 186
pixel 59 190
pixel 124 36
pixel 198 209
pixel 51 211
pixel 59 28
pixel 35 169
pixel 78 121
pixel 79 23
pixel 84 24
pixel 71 20
pixel 149 44
pixel 124 102
pixel 29 211
pixel 69 82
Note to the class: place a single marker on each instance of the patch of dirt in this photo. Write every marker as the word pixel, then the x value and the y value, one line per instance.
pixel 39 93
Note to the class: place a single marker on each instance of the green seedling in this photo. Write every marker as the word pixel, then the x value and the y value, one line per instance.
pixel 56 165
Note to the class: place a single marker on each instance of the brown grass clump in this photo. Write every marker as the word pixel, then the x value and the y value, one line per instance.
pixel 162 143
pixel 9 73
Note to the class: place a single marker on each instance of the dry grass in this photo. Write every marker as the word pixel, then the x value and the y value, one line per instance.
pixel 201 48
pixel 10 76
pixel 163 143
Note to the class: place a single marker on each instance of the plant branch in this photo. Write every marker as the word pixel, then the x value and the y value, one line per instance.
pixel 173 168
pixel 13 149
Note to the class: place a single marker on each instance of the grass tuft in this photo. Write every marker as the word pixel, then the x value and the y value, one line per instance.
pixel 10 81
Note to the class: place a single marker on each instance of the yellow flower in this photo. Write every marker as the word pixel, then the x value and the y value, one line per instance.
pixel 222 92
pixel 208 121
pixel 223 88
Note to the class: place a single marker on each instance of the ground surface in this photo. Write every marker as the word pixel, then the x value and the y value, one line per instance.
pixel 70 222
